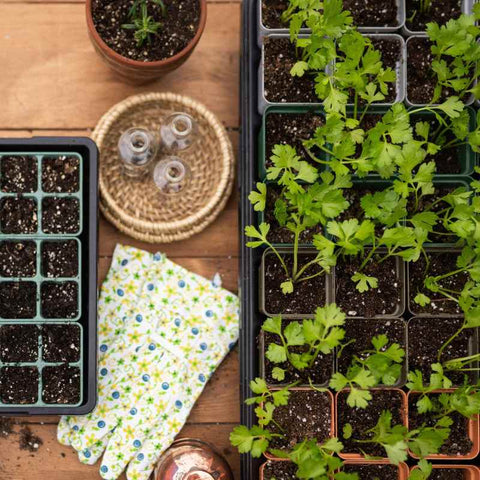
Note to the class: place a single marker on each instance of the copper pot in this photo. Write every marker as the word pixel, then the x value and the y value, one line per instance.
pixel 134 71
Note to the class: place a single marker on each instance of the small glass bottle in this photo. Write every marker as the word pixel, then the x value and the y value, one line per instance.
pixel 137 148
pixel 172 175
pixel 178 133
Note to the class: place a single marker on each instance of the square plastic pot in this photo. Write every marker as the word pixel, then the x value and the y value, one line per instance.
pixel 471 472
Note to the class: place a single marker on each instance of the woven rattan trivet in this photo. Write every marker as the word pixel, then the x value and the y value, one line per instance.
pixel 136 207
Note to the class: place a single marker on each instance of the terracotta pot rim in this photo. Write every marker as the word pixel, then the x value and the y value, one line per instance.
pixel 147 65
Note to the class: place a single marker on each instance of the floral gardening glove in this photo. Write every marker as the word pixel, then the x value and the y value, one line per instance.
pixel 175 333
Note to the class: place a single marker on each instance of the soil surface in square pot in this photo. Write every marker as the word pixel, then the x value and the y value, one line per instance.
pixel 18 299
pixel 18 343
pixel 319 374
pixel 19 174
pixel 448 474
pixel 18 215
pixel 306 297
pixel 362 331
pixel 277 233
pixel 60 259
pixel 60 215
pixel 61 384
pixel 61 343
pixel 19 385
pixel 60 174
pixel 178 27
pixel 18 259
pixel 362 420
pixel 372 13
pixel 439 264
pixel 458 443
pixel 440 11
pixel 373 472
pixel 383 300
pixel 280 471
pixel 427 335
pixel 59 300
pixel 307 416
pixel 291 129
pixel 280 86
pixel 272 11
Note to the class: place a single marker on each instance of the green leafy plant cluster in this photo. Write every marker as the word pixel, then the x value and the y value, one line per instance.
pixel 142 22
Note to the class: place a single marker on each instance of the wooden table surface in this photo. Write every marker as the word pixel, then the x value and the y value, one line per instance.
pixel 52 83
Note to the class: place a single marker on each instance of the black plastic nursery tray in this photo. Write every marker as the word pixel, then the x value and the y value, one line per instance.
pixel 48 275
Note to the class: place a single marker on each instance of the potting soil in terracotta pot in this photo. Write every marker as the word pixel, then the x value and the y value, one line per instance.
pixel 447 474
pixel 280 471
pixel 369 472
pixel 440 11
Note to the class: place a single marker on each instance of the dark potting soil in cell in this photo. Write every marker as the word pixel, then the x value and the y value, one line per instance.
pixel 448 474
pixel 373 472
pixel 308 415
pixel 18 215
pixel 178 27
pixel 60 174
pixel 19 385
pixel 18 343
pixel 440 11
pixel 362 420
pixel 277 233
pixel 19 174
pixel 458 443
pixel 272 11
pixel 319 374
pixel 61 343
pixel 427 335
pixel 383 300
pixel 61 384
pixel 60 259
pixel 18 300
pixel 60 215
pixel 439 264
pixel 372 13
pixel 59 300
pixel 280 86
pixel 18 259
pixel 306 297
pixel 280 471
pixel 291 129
pixel 362 332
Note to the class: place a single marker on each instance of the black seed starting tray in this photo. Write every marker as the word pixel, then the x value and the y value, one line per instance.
pixel 48 275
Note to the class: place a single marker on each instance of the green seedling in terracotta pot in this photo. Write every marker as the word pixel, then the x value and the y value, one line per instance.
pixel 145 25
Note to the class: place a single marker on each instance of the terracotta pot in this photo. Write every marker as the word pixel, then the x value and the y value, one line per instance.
pixel 472 473
pixel 264 465
pixel 473 433
pixel 403 471
pixel 358 456
pixel 134 71
pixel 332 423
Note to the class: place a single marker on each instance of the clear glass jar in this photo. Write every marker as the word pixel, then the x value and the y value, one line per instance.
pixel 172 175
pixel 137 148
pixel 178 133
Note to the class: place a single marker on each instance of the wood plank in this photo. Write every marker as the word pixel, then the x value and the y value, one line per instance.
pixel 53 461
pixel 53 79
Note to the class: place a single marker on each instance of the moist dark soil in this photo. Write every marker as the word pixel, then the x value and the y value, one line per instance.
pixel 59 300
pixel 18 300
pixel 362 420
pixel 60 259
pixel 61 384
pixel 291 129
pixel 427 335
pixel 61 343
pixel 372 13
pixel 319 374
pixel 448 474
pixel 179 26
pixel 362 331
pixel 19 174
pixel 441 11
pixel 458 443
pixel 373 472
pixel 280 86
pixel 308 415
pixel 383 300
pixel 439 264
pixel 60 174
pixel 18 215
pixel 306 297
pixel 19 385
pixel 6 426
pixel 28 441
pixel 277 233
pixel 18 259
pixel 272 11
pixel 280 471
pixel 18 343
pixel 60 215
